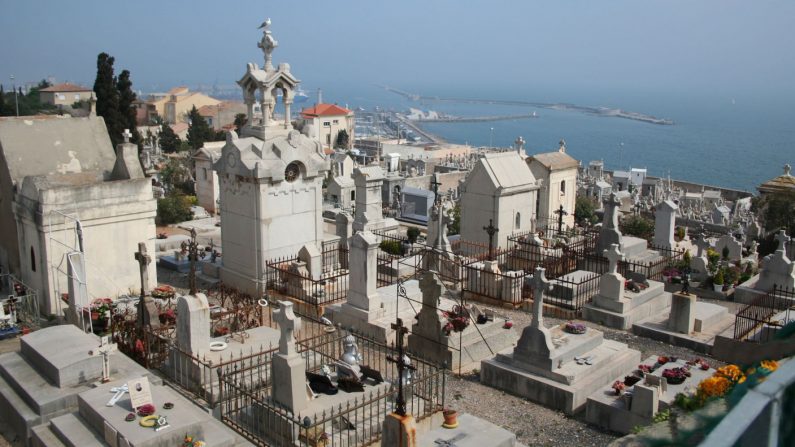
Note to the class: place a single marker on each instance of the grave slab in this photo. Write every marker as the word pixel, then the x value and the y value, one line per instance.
pixel 711 320
pixel 472 431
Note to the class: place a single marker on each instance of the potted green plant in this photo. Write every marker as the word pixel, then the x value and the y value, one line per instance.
pixel 718 280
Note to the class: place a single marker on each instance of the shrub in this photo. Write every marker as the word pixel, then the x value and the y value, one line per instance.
pixel 639 226
pixel 584 209
pixel 413 233
pixel 680 233
pixel 718 278
pixel 391 247
pixel 174 208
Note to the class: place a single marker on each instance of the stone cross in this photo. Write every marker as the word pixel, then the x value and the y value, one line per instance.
pixel 491 230
pixel 540 286
pixel 702 244
pixel 613 255
pixel 782 239
pixel 126 135
pixel 143 262
pixel 288 324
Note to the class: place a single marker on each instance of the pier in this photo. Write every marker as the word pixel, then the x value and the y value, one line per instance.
pixel 596 111
pixel 475 119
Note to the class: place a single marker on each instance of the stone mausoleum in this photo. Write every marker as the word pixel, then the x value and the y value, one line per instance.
pixel 270 179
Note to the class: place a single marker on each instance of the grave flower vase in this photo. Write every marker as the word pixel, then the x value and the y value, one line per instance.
pixel 450 418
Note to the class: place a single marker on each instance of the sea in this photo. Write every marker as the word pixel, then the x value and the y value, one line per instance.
pixel 728 140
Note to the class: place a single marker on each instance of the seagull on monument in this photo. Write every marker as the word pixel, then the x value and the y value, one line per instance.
pixel 266 23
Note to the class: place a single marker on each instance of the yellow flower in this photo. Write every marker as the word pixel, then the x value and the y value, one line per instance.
pixel 715 386
pixel 731 372
pixel 750 371
pixel 770 365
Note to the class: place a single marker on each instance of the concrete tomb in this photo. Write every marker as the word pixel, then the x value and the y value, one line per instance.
pixel 369 209
pixel 777 270
pixel 433 341
pixel 553 367
pixel 689 323
pixel 289 368
pixel 619 308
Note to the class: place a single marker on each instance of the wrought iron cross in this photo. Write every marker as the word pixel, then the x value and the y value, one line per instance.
pixel 193 257
pixel 560 212
pixel 435 185
pixel 400 404
pixel 491 230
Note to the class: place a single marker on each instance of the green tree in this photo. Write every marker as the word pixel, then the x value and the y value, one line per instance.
pixel 108 98
pixel 638 226
pixel 174 208
pixel 2 102
pixel 455 225
pixel 342 139
pixel 168 140
pixel 584 210
pixel 240 120
pixel 199 131
pixel 126 109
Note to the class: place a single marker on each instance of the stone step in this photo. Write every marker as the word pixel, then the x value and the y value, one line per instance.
pixel 43 436
pixel 38 392
pixel 15 412
pixel 73 431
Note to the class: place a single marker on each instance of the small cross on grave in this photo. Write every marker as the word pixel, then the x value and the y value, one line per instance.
pixel 560 212
pixel 143 262
pixel 540 286
pixel 491 230
pixel 400 404
pixel 614 256
pixel 288 324
pixel 782 239
pixel 126 135
pixel 450 442
pixel 435 185
pixel 105 349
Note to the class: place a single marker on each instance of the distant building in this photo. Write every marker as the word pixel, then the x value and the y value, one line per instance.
pixel 64 94
pixel 174 106
pixel 557 172
pixel 327 120
pixel 222 116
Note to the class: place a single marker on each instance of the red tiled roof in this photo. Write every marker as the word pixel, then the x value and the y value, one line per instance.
pixel 207 110
pixel 325 110
pixel 65 87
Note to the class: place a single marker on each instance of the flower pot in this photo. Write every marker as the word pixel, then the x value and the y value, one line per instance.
pixel 450 418
pixel 718 287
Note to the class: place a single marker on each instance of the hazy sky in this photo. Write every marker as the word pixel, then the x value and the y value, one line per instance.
pixel 724 45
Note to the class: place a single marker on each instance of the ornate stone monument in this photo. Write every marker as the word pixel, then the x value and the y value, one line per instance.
pixel 270 179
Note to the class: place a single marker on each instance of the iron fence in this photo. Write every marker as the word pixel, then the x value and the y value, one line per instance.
pixel 346 419
pixel 653 269
pixel 289 278
pixel 23 298
pixel 759 320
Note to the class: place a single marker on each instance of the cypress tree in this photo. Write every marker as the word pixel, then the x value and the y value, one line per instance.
pixel 108 98
pixel 126 109
pixel 199 131
pixel 168 140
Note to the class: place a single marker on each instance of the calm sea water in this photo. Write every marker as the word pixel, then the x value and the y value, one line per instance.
pixel 717 139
